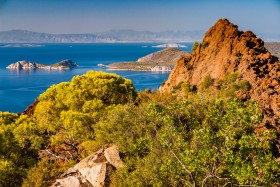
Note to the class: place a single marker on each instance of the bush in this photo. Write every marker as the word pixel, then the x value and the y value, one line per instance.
pixel 71 109
pixel 207 82
pixel 231 84
pixel 167 143
pixel 205 44
pixel 244 85
pixel 195 45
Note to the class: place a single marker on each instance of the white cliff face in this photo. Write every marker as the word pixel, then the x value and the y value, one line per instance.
pixel 94 170
pixel 65 64
pixel 162 68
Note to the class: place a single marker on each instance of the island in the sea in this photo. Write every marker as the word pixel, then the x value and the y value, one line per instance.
pixel 169 45
pixel 62 65
pixel 163 60
pixel 22 45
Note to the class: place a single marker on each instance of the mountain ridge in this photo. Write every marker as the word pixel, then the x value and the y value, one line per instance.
pixel 111 36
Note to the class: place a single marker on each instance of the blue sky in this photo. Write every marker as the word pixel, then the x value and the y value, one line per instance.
pixel 89 16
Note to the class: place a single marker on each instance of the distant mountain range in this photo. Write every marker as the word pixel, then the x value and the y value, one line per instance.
pixel 22 36
pixel 113 36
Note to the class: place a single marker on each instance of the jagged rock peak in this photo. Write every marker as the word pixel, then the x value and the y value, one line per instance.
pixel 225 50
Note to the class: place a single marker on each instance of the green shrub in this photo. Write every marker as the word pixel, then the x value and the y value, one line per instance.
pixel 230 84
pixel 167 143
pixel 205 44
pixel 195 45
pixel 244 85
pixel 207 82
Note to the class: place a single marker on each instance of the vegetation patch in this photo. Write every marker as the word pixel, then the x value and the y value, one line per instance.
pixel 163 140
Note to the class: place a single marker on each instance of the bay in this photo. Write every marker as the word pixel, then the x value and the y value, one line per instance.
pixel 18 89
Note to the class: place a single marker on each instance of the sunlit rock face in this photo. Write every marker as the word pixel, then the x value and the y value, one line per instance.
pixel 225 50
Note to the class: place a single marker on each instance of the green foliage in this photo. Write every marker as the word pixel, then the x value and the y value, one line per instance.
pixel 244 85
pixel 205 44
pixel 62 124
pixel 15 158
pixel 207 82
pixel 231 84
pixel 186 143
pixel 184 87
pixel 71 109
pixel 195 45
pixel 163 140
pixel 45 172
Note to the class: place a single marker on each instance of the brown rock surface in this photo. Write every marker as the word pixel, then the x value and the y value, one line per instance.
pixel 93 171
pixel 225 49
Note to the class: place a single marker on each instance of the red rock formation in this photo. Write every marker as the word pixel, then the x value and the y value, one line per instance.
pixel 225 49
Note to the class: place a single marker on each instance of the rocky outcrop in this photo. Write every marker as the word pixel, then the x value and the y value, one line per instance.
pixel 163 60
pixel 64 64
pixel 224 50
pixel 29 111
pixel 93 171
pixel 24 65
pixel 27 65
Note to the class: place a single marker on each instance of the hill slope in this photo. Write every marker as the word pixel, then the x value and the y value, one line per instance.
pixel 224 50
pixel 165 58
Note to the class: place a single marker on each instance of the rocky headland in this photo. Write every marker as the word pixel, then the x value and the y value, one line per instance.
pixel 27 65
pixel 163 60
pixel 225 50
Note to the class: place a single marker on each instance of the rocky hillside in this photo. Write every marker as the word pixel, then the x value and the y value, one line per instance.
pixel 224 50
pixel 163 60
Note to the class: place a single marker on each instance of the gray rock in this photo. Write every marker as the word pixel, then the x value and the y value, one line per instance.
pixel 24 65
pixel 95 170
pixel 65 64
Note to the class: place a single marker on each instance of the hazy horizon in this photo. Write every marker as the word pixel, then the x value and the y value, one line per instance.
pixel 94 16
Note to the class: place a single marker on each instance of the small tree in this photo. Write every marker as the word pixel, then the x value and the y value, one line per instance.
pixel 195 45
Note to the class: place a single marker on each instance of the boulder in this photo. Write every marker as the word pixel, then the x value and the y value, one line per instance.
pixel 95 170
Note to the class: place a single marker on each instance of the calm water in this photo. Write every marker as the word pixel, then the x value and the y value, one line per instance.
pixel 18 89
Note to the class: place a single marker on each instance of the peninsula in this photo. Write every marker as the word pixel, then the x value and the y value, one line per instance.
pixel 163 60
pixel 62 65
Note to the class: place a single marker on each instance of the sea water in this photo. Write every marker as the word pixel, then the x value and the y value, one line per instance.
pixel 18 89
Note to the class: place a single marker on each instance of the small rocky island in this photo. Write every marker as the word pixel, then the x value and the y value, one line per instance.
pixel 163 60
pixel 27 65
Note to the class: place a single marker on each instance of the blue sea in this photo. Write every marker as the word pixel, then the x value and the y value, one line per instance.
pixel 19 89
